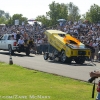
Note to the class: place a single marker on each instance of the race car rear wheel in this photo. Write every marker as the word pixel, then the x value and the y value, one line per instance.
pixel 46 56
pixel 79 60
pixel 63 57
pixel 68 60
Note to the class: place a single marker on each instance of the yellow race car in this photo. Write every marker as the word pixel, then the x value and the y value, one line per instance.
pixel 65 47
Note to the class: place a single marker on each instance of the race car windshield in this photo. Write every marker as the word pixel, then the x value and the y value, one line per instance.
pixel 79 46
pixel 72 42
pixel 75 46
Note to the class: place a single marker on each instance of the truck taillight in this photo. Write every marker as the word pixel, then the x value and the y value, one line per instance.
pixel 14 43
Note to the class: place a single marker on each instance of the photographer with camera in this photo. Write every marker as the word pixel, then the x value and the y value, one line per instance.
pixel 95 74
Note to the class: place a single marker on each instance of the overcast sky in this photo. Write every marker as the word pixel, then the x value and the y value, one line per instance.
pixel 33 8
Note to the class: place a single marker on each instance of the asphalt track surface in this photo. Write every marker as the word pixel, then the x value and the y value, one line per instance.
pixel 37 62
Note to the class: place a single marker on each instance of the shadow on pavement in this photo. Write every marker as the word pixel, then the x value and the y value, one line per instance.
pixel 73 63
pixel 16 54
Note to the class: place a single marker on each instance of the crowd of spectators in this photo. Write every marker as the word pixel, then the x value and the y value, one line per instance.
pixel 27 32
pixel 87 33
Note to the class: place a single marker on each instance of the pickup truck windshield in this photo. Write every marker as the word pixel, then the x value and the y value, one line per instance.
pixel 3 37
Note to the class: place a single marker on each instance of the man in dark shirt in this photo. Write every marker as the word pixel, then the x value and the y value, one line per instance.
pixel 92 51
pixel 18 35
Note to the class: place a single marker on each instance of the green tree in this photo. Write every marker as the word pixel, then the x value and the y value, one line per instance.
pixel 4 17
pixel 93 15
pixel 57 11
pixel 2 20
pixel 73 12
pixel 1 13
pixel 7 16
pixel 45 21
pixel 17 17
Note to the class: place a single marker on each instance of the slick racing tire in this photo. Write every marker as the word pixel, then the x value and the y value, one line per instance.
pixel 80 60
pixel 63 57
pixel 46 56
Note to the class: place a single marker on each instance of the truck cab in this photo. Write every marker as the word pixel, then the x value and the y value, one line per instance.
pixel 8 44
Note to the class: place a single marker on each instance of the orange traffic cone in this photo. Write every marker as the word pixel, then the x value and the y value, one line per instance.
pixel 10 60
pixel 98 90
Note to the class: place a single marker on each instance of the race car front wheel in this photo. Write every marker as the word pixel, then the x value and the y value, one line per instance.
pixel 46 56
pixel 63 57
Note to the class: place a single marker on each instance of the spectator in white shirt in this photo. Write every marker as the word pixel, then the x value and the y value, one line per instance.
pixel 95 44
pixel 21 41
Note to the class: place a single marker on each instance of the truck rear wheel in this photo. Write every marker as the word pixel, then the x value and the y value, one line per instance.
pixel 63 57
pixel 27 51
pixel 79 60
pixel 10 49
